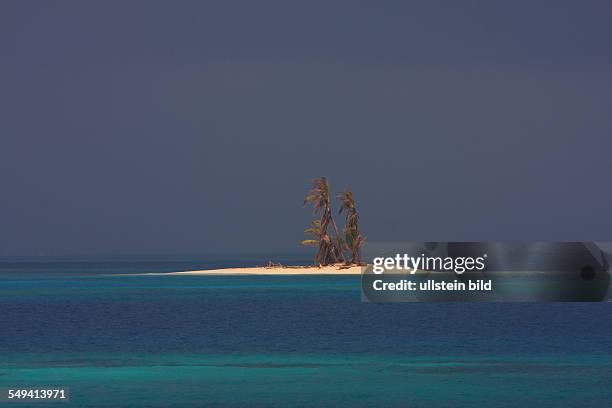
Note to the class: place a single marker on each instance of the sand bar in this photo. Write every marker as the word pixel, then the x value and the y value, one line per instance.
pixel 275 270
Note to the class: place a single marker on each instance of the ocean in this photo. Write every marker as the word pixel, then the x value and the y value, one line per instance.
pixel 118 339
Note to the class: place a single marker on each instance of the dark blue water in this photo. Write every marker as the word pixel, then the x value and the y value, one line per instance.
pixel 286 341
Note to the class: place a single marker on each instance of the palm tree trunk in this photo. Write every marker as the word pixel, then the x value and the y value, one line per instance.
pixel 340 249
pixel 331 218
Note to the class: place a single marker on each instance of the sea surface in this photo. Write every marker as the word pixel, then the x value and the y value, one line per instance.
pixel 118 339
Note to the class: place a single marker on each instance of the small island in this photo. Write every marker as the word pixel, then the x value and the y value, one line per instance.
pixel 337 269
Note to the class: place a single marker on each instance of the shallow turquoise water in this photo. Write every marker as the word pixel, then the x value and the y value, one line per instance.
pixel 315 380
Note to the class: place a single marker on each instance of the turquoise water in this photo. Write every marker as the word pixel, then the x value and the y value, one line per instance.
pixel 120 341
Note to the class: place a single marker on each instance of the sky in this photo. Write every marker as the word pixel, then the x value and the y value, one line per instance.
pixel 147 127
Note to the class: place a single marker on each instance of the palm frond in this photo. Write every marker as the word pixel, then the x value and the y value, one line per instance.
pixel 318 195
pixel 347 201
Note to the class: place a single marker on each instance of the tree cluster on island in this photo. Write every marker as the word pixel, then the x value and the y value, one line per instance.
pixel 332 251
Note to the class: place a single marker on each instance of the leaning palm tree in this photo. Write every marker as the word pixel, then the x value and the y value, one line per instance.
pixel 352 235
pixel 319 197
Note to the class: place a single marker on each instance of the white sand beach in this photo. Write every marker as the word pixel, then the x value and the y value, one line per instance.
pixel 276 270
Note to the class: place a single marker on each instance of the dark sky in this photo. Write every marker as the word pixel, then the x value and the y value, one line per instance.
pixel 175 126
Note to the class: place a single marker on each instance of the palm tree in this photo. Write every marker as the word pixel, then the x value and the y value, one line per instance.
pixel 353 238
pixel 319 197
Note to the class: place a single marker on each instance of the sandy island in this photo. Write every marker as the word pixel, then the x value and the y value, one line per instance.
pixel 275 270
